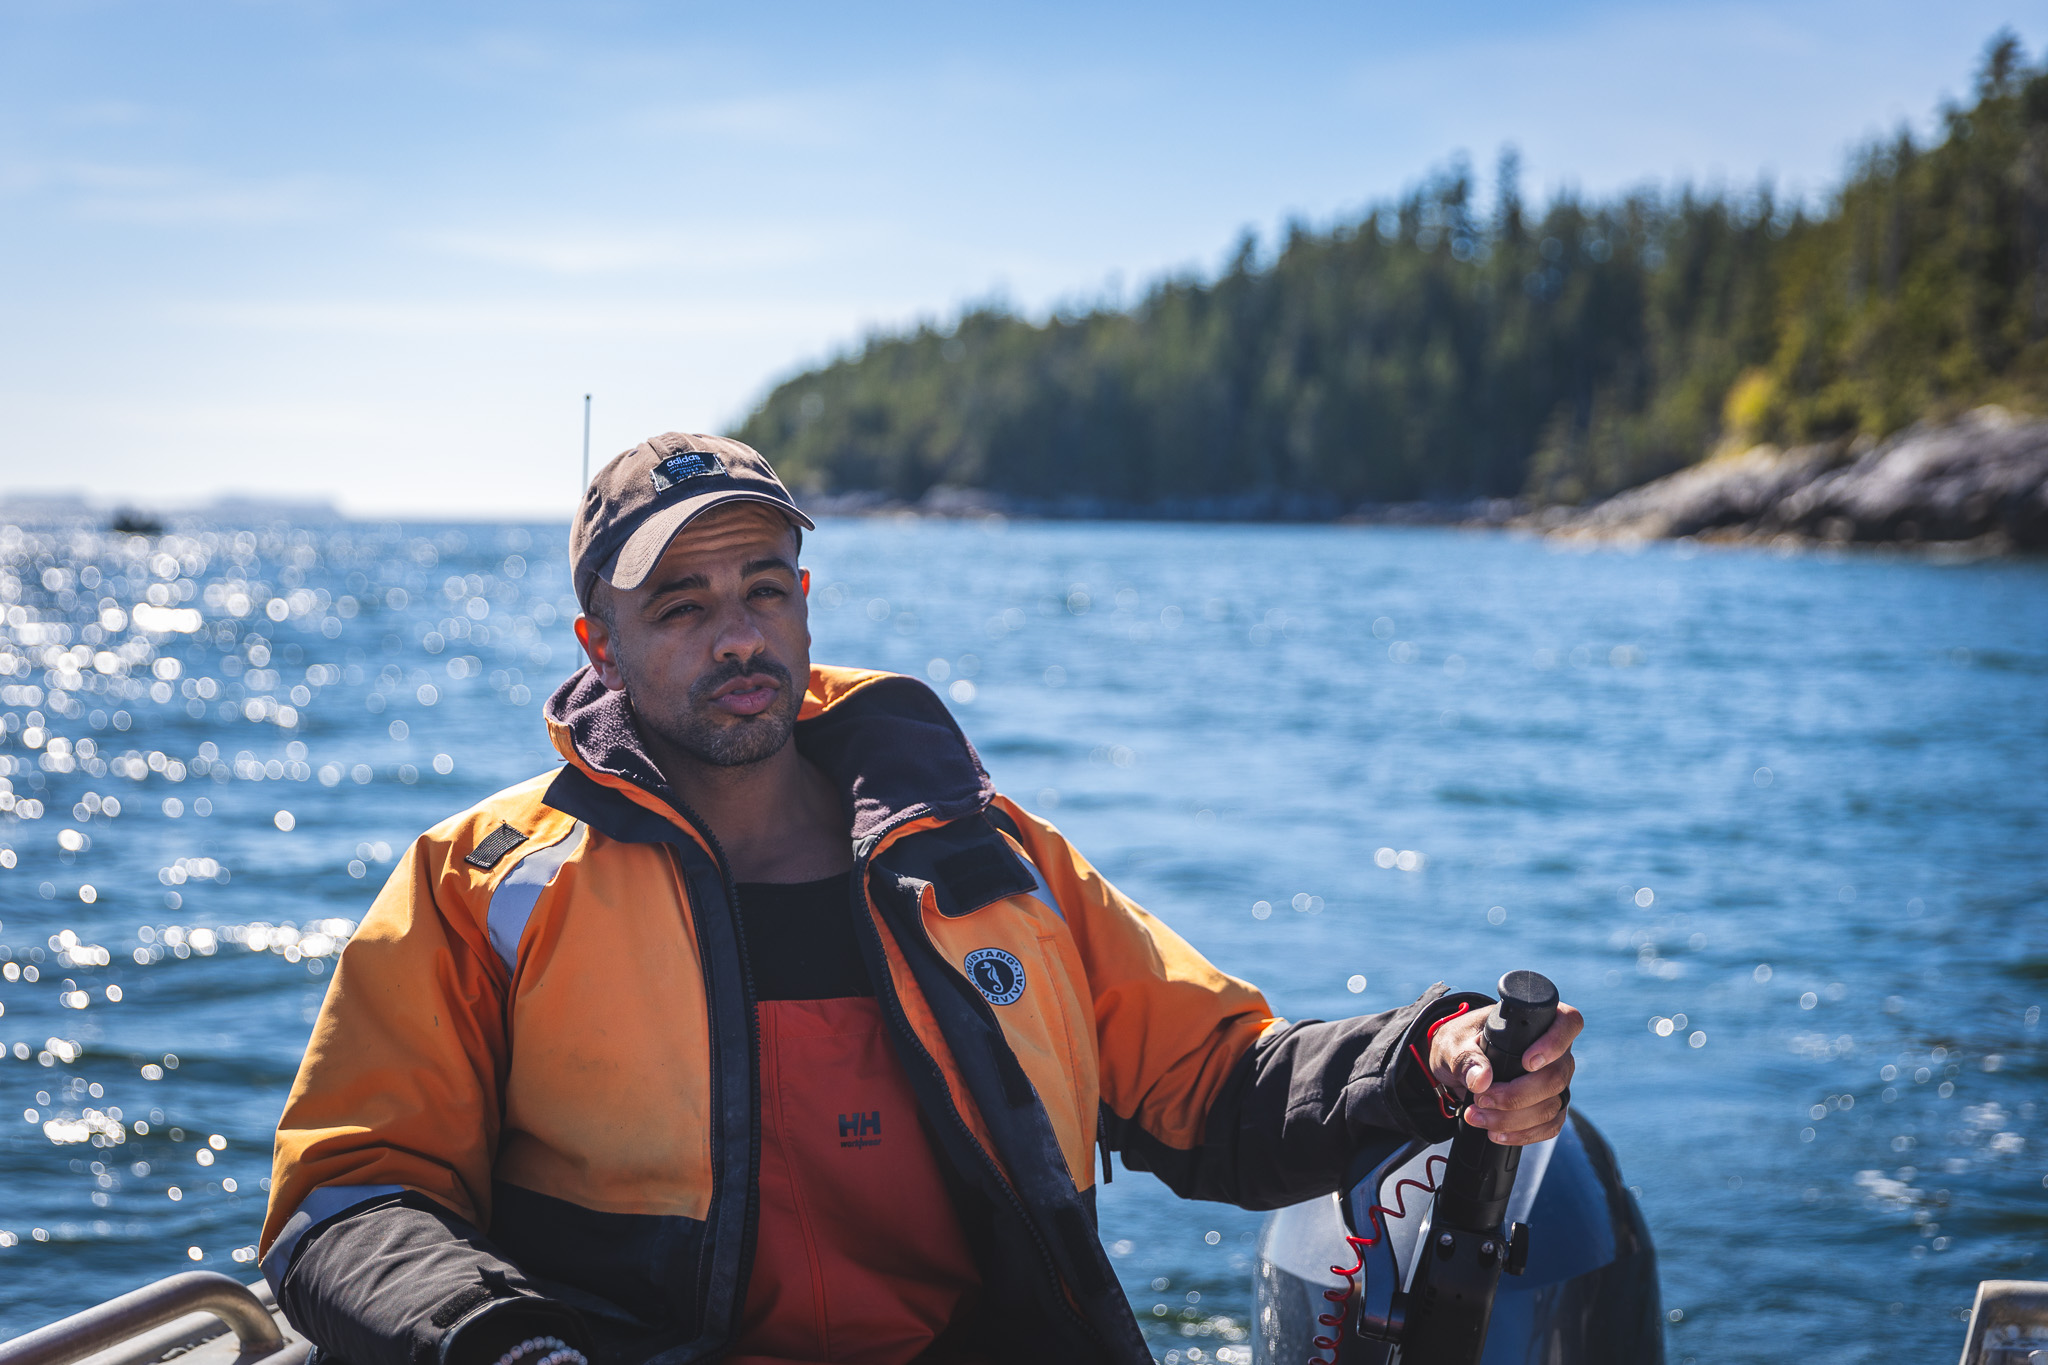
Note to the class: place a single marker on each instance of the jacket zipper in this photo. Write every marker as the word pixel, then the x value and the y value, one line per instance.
pixel 753 1189
pixel 887 983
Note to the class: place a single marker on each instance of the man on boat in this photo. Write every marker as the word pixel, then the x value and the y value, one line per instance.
pixel 765 1029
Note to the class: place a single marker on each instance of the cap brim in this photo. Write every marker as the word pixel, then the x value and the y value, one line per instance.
pixel 643 549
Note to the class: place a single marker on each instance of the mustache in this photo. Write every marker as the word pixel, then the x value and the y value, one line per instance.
pixel 761 665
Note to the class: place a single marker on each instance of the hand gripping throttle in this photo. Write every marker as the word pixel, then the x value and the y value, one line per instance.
pixel 1458 1267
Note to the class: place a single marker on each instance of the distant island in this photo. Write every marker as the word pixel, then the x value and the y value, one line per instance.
pixel 1426 361
pixel 70 507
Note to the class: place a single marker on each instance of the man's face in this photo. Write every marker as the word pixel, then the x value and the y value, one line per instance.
pixel 714 647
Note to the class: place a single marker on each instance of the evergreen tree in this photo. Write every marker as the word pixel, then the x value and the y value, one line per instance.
pixel 1426 352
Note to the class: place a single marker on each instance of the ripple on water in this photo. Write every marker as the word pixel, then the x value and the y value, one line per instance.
pixel 1661 771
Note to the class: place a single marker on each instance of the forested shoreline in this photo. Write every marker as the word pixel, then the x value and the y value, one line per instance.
pixel 1429 351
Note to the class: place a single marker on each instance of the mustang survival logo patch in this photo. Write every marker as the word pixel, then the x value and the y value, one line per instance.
pixel 996 974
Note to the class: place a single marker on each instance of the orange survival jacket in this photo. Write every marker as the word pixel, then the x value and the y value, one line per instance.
pixel 533 1080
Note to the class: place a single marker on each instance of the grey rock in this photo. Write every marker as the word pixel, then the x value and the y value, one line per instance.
pixel 1980 478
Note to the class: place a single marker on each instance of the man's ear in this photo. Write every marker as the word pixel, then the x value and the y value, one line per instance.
pixel 596 638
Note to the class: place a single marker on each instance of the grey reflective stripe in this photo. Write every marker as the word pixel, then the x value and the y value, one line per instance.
pixel 319 1206
pixel 1044 892
pixel 512 903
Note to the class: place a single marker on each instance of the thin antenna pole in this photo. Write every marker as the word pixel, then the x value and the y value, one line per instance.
pixel 586 440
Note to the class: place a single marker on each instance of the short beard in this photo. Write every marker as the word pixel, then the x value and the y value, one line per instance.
pixel 734 742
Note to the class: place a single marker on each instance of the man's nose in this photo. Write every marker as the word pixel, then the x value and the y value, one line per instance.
pixel 739 637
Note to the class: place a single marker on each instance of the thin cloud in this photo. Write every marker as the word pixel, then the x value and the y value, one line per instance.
pixel 250 206
pixel 166 195
pixel 410 318
pixel 105 114
pixel 589 251
pixel 784 120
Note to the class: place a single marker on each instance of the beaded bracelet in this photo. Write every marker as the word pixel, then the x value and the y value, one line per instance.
pixel 558 1352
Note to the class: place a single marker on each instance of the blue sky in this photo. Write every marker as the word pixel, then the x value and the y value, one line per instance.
pixel 377 252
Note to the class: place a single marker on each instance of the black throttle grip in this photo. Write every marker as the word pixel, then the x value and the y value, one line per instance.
pixel 1528 1007
pixel 1450 1303
pixel 1474 1192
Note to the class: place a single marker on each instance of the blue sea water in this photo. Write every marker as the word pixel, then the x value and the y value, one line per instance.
pixel 1774 822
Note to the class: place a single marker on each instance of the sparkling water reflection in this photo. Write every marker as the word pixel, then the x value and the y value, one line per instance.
pixel 1775 823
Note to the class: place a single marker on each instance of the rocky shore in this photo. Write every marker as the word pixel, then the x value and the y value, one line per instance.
pixel 1981 481
pixel 1978 483
pixel 948 501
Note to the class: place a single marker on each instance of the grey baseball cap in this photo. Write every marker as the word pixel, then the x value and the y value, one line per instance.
pixel 637 503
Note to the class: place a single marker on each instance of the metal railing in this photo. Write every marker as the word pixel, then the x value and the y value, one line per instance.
pixel 148 1322
pixel 2008 1324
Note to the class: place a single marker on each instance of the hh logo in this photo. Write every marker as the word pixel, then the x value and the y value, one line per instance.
pixel 861 1130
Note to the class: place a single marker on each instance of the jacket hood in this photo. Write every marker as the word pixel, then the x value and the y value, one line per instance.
pixel 886 741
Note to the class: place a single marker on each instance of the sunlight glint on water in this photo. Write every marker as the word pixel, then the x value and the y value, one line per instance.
pixel 1776 824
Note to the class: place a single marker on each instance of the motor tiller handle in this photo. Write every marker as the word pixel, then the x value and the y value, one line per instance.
pixel 1469 1243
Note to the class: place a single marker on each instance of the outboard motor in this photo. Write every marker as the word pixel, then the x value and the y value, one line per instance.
pixel 1467 1252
